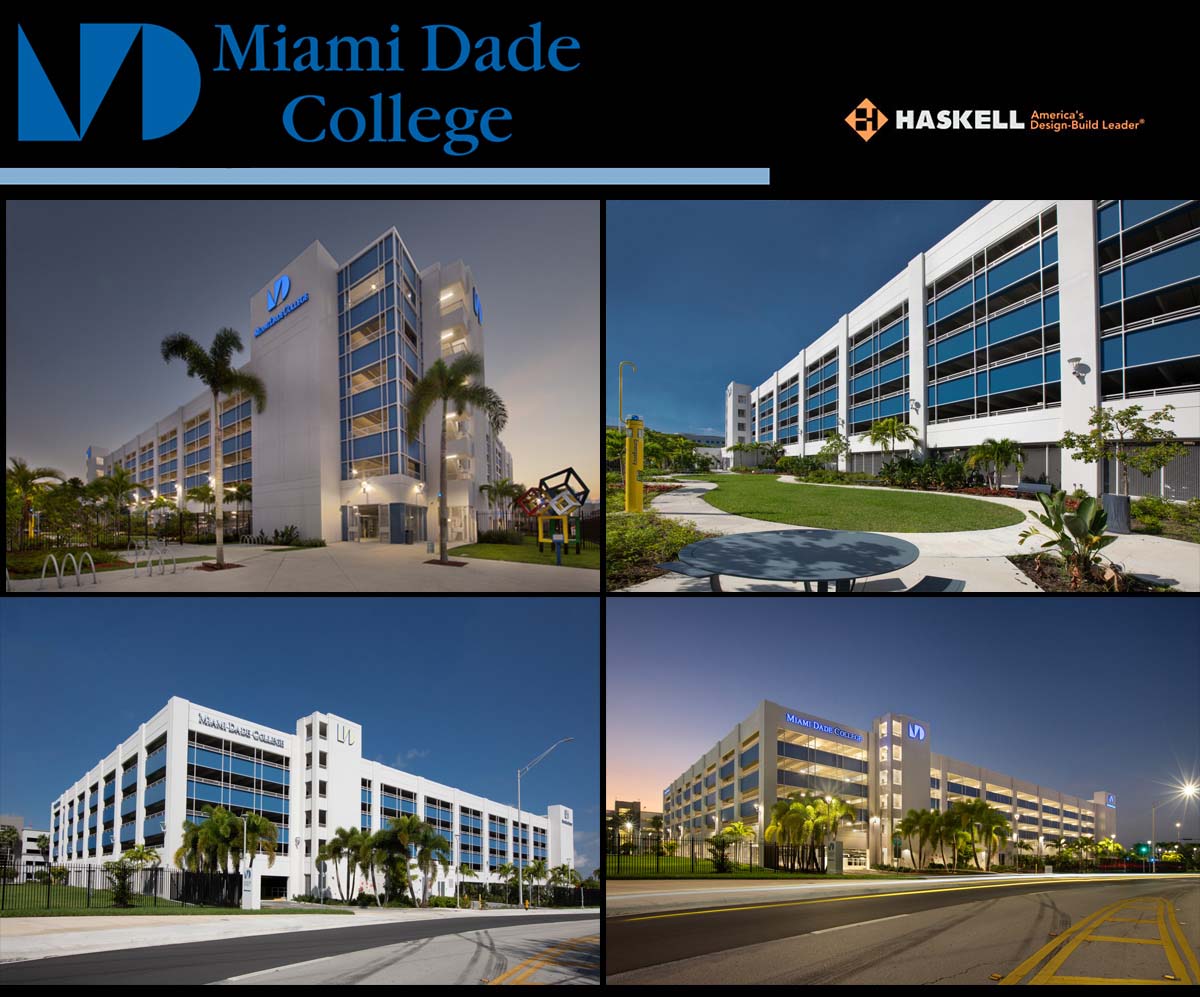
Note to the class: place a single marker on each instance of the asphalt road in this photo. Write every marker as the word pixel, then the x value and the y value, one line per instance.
pixel 214 961
pixel 924 934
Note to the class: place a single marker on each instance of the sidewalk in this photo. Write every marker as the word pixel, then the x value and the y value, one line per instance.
pixel 23 938
pixel 978 557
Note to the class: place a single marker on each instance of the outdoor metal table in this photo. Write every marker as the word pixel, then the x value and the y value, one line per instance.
pixel 821 556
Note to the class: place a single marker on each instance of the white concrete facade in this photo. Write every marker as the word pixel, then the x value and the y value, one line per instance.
pixel 299 453
pixel 1078 272
pixel 324 789
pixel 882 771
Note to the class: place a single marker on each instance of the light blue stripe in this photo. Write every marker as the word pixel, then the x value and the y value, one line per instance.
pixel 445 175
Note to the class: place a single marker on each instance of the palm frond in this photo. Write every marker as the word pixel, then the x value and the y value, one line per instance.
pixel 247 384
pixel 181 346
pixel 225 343
pixel 429 389
pixel 465 365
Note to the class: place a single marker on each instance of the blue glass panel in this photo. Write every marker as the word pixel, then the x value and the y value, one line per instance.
pixel 341 281
pixel 368 446
pixel 411 356
pixel 1110 286
pixel 246 470
pixel 1021 265
pixel 1052 368
pixel 893 406
pixel 749 757
pixel 956 390
pixel 812 425
pixel 830 395
pixel 1051 301
pixel 364 310
pixel 980 287
pixel 1163 342
pixel 128 833
pixel 892 334
pixel 1050 250
pixel 860 414
pixel 1112 354
pixel 1022 374
pixel 244 410
pixel 860 383
pixel 1107 222
pixel 387 248
pixel 891 371
pixel 956 345
pixel 229 446
pixel 129 778
pixel 391 393
pixel 829 421
pixel 929 314
pixel 365 401
pixel 1023 319
pixel 362 266
pixel 156 793
pixel 365 355
pixel 929 396
pixel 1136 212
pixel 408 267
pixel 862 351
pixel 1168 267
pixel 410 313
pixel 948 304
pixel 395 466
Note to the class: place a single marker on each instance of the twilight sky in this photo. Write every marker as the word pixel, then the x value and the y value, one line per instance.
pixel 93 286
pixel 467 711
pixel 1079 695
pixel 701 293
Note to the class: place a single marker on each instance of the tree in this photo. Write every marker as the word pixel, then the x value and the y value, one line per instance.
pixel 371 854
pixel 614 449
pixel 189 854
pixel 43 846
pixel 119 873
pixel 564 875
pixel 26 481
pixel 333 851
pixel 141 856
pixel 998 454
pixel 1141 443
pixel 432 850
pixel 467 871
pixel 10 847
pixel 451 385
pixel 117 487
pixel 886 433
pixel 909 825
pixel 927 832
pixel 994 832
pixel 261 835
pixel 836 446
pixel 536 873
pixel 220 838
pixel 242 493
pixel 398 839
pixel 214 368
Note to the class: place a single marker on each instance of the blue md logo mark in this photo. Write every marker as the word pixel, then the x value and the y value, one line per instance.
pixel 282 286
pixel 1111 802
pixel 170 82
pixel 916 732
pixel 477 306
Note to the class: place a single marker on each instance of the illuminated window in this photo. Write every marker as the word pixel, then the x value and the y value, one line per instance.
pixel 897 755
pixel 883 776
pixel 883 728
pixel 897 778
pixel 896 804
pixel 895 728
pixel 883 754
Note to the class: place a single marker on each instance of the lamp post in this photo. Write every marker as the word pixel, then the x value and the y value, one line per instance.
pixel 457 868
pixel 520 863
pixel 1187 791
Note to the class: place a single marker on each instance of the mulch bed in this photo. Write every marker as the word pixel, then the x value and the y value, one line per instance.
pixel 213 566
pixel 1049 575
pixel 449 564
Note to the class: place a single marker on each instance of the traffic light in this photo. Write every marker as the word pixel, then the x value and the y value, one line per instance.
pixel 1143 849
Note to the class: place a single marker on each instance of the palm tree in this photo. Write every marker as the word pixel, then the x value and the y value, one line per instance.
pixel 995 830
pixel 334 850
pixel 564 875
pixel 398 839
pixel 371 854
pixel 220 837
pixel 214 368
pixel 189 854
pixel 1087 845
pixel 261 835
pixel 451 385
pixel 536 872
pixel 117 486
pixel 927 831
pixel 242 493
pixel 491 493
pixel 467 871
pixel 25 480
pixel 432 850
pixel 909 825
pixel 510 490
pixel 996 454
pixel 886 433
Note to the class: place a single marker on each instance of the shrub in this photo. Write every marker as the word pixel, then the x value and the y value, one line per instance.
pixel 1152 507
pixel 400 901
pixel 1150 524
pixel 743 470
pixel 119 873
pixel 500 537
pixel 798 465
pixel 1080 494
pixel 442 902
pixel 465 901
pixel 1079 536
pixel 59 875
pixel 365 900
pixel 952 473
pixel 637 541
pixel 288 536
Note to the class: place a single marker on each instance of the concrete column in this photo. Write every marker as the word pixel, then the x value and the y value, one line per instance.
pixel 1078 297
pixel 918 418
pixel 775 410
pixel 843 384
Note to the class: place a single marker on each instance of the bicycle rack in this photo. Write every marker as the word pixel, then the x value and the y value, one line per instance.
pixel 254 540
pixel 7 581
pixel 57 571
pixel 161 550
pixel 78 567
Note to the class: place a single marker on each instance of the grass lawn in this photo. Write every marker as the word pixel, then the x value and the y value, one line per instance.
pixel 527 553
pixel 170 910
pixel 832 508
pixel 681 868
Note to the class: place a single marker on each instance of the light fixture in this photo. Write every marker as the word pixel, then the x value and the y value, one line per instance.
pixel 447 335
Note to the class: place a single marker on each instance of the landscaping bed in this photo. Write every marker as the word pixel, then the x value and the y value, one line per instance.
pixel 1049 574
pixel 527 552
pixel 833 508
pixel 1173 520
pixel 634 542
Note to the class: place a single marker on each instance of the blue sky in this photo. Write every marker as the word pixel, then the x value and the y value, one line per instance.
pixel 701 293
pixel 1079 695
pixel 463 691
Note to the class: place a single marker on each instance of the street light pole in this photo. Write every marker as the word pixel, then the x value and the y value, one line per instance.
pixel 520 864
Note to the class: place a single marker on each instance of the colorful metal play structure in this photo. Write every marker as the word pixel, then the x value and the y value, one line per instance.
pixel 557 503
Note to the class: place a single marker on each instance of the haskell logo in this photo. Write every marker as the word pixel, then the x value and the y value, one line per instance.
pixel 866 120
pixel 170 82
pixel 282 286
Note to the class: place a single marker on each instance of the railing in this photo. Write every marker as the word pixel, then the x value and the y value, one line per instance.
pixel 84 886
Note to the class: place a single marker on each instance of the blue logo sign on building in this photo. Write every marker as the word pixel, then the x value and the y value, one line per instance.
pixel 170 82
pixel 1111 801
pixel 478 308
pixel 282 286
pixel 916 732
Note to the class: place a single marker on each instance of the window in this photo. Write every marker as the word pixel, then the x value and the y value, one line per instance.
pixel 308 789
pixel 883 753
pixel 322 759
pixel 883 728
pixel 308 818
pixel 883 777
pixel 896 804
pixel 321 786
pixel 897 754
pixel 895 729
pixel 321 818
pixel 308 849
pixel 308 731
pixel 897 777
pixel 323 733
pixel 308 760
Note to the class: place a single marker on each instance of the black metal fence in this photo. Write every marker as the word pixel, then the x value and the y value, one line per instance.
pixel 649 853
pixel 81 886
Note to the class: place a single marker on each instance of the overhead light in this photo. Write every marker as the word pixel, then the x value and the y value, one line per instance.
pixel 447 294
pixel 372 287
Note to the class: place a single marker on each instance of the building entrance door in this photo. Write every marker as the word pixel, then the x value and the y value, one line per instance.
pixel 368 523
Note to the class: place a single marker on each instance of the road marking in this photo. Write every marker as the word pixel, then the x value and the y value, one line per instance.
pixel 277 969
pixel 521 972
pixel 858 924
pixel 1059 950
pixel 830 900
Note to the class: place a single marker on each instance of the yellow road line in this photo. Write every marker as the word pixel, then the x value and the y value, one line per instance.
pixel 1132 920
pixel 1064 951
pixel 1183 943
pixel 1130 941
pixel 1025 967
pixel 526 967
pixel 1093 980
pixel 1173 958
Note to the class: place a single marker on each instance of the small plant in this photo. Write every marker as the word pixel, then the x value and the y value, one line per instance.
pixel 718 849
pixel 59 875
pixel 500 537
pixel 1079 494
pixel 1144 444
pixel 119 873
pixel 1078 536
pixel 288 536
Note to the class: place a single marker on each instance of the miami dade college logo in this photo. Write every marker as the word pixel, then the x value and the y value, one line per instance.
pixel 866 120
pixel 916 732
pixel 170 82
pixel 282 286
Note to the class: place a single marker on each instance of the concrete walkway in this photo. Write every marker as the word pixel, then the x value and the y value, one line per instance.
pixel 978 557
pixel 340 567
